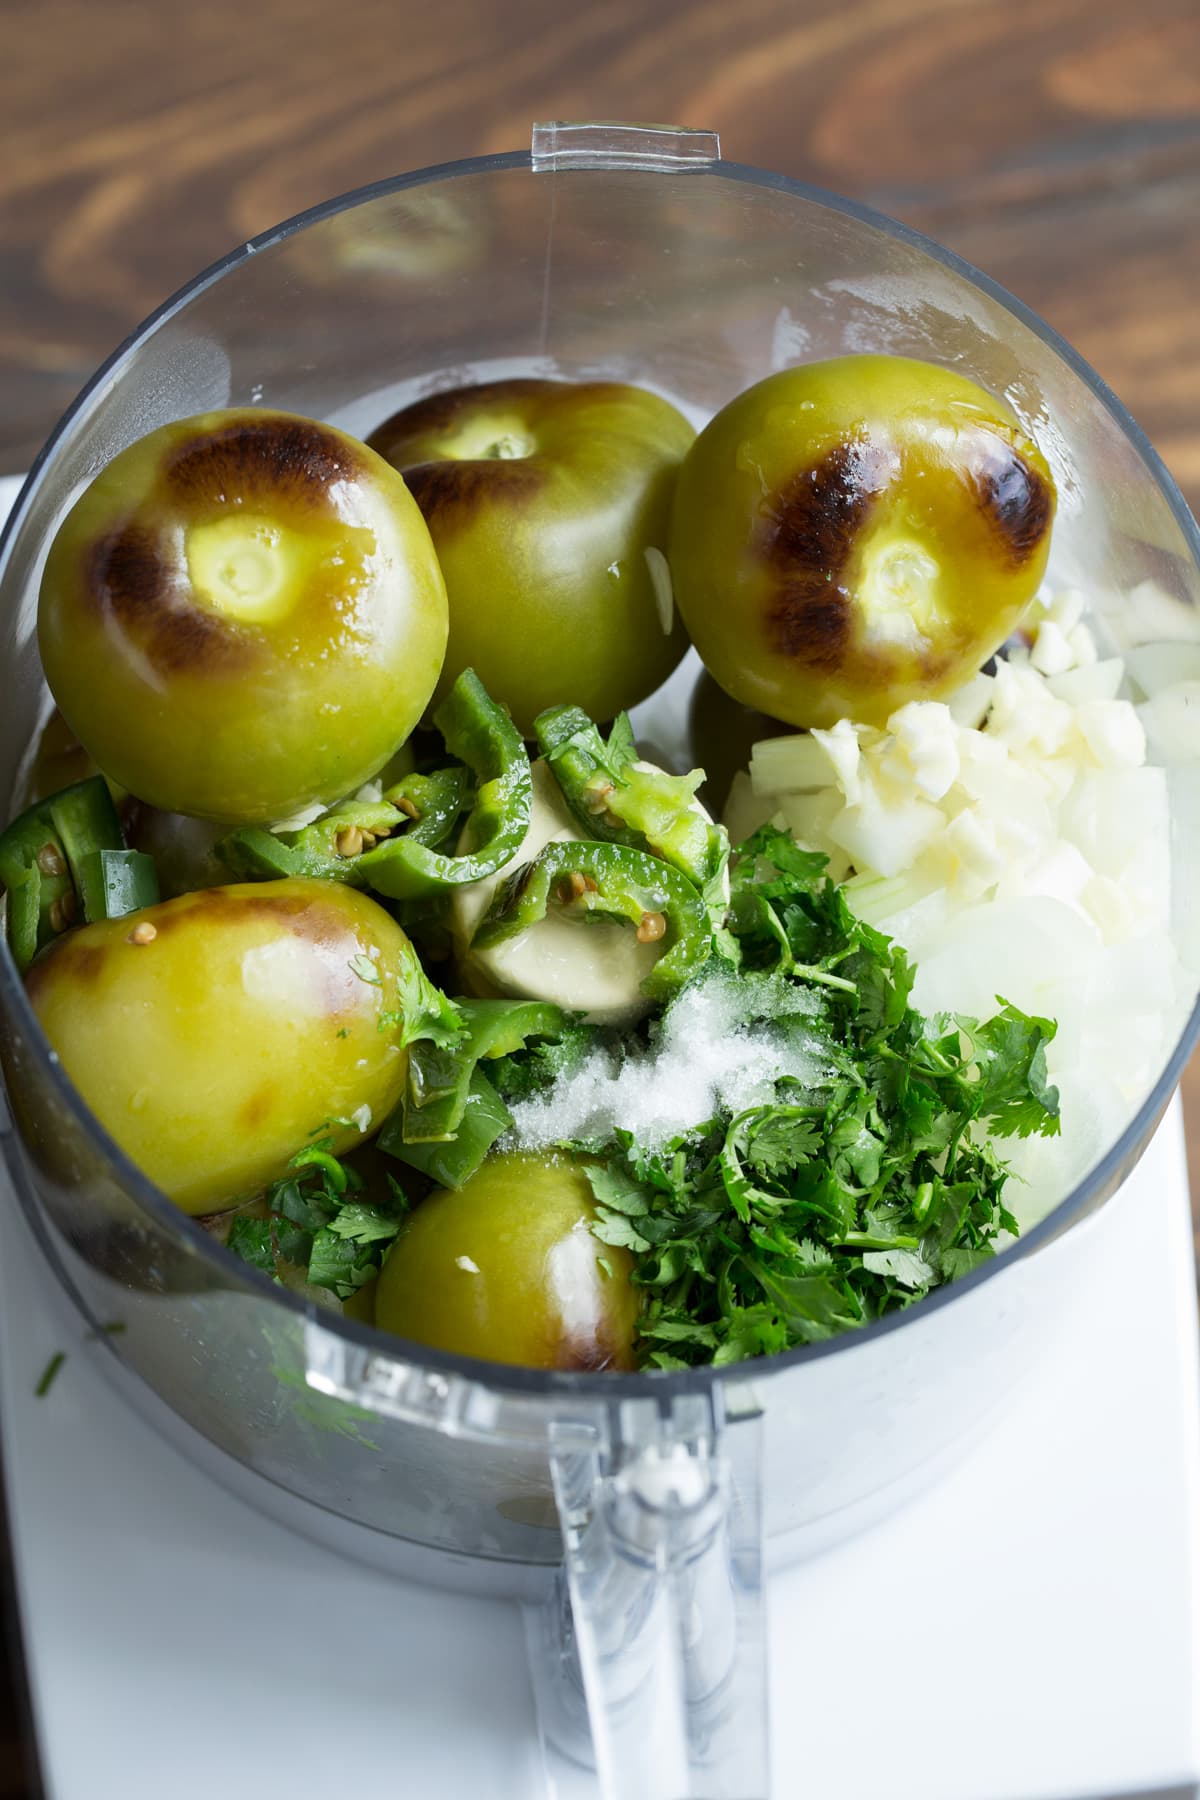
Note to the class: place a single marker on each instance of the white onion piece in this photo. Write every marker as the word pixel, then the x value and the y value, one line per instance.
pixel 1016 948
pixel 1052 653
pixel 745 810
pixel 1097 681
pixel 883 833
pixel 790 765
pixel 1150 614
pixel 1156 666
pixel 1117 817
pixel 1171 721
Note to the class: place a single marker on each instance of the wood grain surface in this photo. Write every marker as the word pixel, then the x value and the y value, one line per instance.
pixel 1056 143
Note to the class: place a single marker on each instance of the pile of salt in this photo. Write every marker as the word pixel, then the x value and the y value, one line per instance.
pixel 720 1048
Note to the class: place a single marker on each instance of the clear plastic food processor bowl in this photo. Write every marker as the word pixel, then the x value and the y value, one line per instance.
pixel 636 1513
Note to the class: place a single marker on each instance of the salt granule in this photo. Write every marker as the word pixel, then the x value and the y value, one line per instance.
pixel 713 1051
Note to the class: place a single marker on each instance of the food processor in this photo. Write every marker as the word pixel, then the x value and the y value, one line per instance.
pixel 637 1513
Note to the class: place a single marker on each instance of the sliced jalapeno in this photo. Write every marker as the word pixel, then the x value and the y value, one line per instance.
pixel 439 1075
pixel 417 815
pixel 614 882
pixel 619 802
pixel 480 733
pixel 53 869
pixel 116 882
pixel 345 843
pixel 451 1161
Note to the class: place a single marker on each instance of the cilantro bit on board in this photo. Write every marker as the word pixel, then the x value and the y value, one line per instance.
pixel 48 1374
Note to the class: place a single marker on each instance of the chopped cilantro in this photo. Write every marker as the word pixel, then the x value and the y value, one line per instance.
pixel 826 1208
pixel 539 1066
pixel 318 1222
pixel 253 1240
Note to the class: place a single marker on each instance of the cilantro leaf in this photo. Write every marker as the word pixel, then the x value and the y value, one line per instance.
pixel 423 1010
pixel 318 1226
pixel 1013 1094
pixel 252 1240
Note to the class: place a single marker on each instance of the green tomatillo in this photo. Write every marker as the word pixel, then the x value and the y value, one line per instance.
pixel 851 535
pixel 214 1034
pixel 549 504
pixel 243 615
pixel 507 1267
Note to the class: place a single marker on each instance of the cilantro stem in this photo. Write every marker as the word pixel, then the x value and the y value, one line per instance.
pixel 807 972
pixel 334 1172
pixel 922 1200
pixel 871 1240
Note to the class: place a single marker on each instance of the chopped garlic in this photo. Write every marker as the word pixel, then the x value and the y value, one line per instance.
pixel 841 746
pixel 1065 609
pixel 1016 841
pixel 1026 714
pixel 969 704
pixel 1094 681
pixel 926 738
pixel 1051 653
pixel 1083 646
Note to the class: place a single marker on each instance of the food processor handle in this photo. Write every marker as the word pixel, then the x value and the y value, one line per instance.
pixel 650 1656
pixel 614 144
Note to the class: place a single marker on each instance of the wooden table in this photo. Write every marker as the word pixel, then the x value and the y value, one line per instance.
pixel 1056 143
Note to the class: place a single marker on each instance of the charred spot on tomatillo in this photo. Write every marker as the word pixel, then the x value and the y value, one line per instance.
pixel 549 502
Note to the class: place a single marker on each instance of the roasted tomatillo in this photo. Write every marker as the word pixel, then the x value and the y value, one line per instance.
pixel 506 1267
pixel 243 615
pixel 851 535
pixel 549 504
pixel 215 1034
